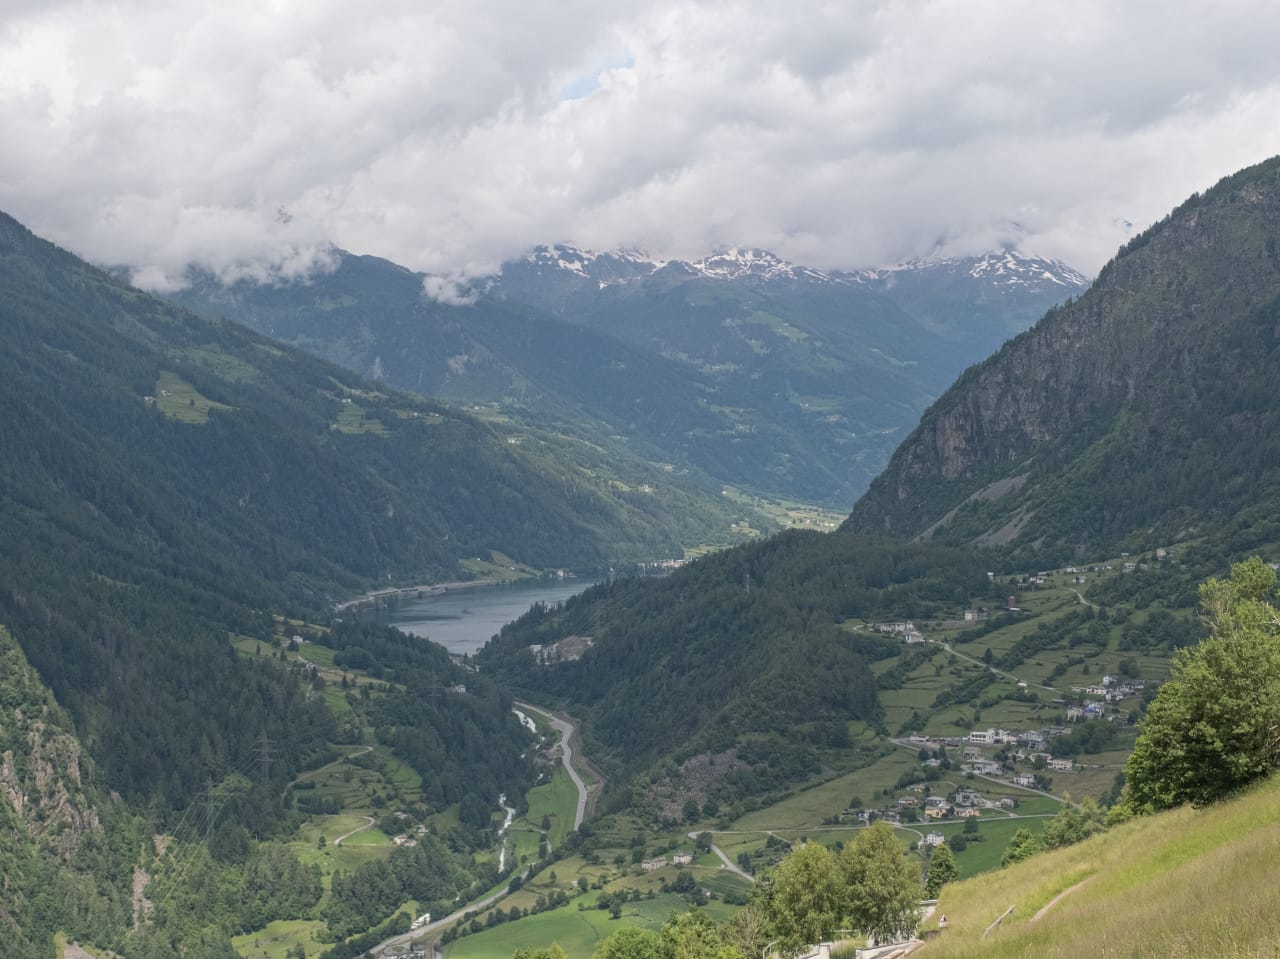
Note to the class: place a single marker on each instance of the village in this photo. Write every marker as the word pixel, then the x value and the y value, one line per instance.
pixel 1007 760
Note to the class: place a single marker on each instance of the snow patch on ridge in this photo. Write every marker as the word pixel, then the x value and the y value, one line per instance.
pixel 735 263
pixel 619 266
pixel 1004 269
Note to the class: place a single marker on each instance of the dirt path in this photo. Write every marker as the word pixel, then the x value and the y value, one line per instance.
pixel 1057 899
pixel 999 672
pixel 1080 596
pixel 348 835
pixel 728 863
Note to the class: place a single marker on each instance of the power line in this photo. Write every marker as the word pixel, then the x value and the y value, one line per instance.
pixel 265 750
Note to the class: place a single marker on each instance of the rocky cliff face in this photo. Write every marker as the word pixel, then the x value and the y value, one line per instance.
pixel 41 763
pixel 1110 393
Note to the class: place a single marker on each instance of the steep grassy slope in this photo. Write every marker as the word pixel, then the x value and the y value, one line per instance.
pixel 1184 883
pixel 1131 416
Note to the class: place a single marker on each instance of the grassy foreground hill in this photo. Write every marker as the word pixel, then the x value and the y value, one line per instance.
pixel 1191 882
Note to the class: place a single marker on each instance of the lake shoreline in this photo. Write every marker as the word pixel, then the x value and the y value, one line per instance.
pixel 417 592
pixel 463 619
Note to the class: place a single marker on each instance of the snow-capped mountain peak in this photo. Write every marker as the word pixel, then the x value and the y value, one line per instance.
pixel 1011 268
pixel 580 261
pixel 1004 270
pixel 605 268
pixel 738 262
pixel 618 266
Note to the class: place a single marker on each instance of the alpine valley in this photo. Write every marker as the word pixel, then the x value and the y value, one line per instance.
pixel 205 754
pixel 1136 420
pixel 785 382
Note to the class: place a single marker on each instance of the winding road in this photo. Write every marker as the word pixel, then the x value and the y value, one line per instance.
pixel 568 731
pixel 999 672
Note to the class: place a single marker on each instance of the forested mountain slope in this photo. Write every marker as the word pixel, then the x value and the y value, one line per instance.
pixel 1141 413
pixel 172 484
pixel 740 650
pixel 169 479
pixel 1132 416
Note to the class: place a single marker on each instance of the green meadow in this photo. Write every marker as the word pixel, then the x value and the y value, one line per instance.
pixel 1186 883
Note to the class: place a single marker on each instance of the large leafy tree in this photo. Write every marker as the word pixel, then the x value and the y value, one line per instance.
pixel 1215 726
pixel 1023 845
pixel 693 935
pixel 882 886
pixel 631 942
pixel 1074 824
pixel 685 935
pixel 808 900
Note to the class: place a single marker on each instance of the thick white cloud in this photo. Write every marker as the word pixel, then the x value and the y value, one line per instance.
pixel 251 135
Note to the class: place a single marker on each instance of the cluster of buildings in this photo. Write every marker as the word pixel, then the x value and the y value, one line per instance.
pixel 1029 746
pixel 964 803
pixel 565 651
pixel 1112 690
pixel 679 859
pixel 906 631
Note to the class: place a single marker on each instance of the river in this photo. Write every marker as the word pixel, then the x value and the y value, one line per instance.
pixel 462 620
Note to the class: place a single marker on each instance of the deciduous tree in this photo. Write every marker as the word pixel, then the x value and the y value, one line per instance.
pixel 942 870
pixel 808 900
pixel 1023 845
pixel 1215 726
pixel 882 887
pixel 631 942
pixel 1074 824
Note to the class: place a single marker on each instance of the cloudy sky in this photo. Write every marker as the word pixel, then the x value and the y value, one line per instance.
pixel 448 135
